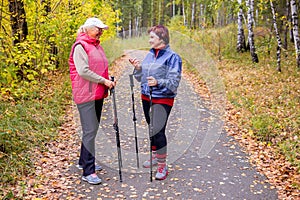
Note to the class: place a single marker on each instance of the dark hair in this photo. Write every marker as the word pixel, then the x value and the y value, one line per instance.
pixel 162 32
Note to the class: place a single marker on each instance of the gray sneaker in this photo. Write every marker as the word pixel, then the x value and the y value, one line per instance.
pixel 147 163
pixel 162 173
pixel 92 179
pixel 97 167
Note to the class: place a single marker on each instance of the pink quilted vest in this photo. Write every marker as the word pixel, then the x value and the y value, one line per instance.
pixel 83 90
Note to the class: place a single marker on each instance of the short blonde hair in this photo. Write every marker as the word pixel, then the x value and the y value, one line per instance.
pixel 84 29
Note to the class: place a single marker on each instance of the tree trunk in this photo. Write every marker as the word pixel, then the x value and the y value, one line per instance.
pixel 295 30
pixel 154 13
pixel 183 14
pixel 18 21
pixel 249 4
pixel 241 43
pixel 46 5
pixel 145 13
pixel 130 29
pixel 201 16
pixel 162 12
pixel 291 22
pixel 173 8
pixel 287 26
pixel 137 24
pixel 193 15
pixel 19 28
pixel 279 43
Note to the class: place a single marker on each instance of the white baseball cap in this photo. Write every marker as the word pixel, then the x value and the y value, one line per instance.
pixel 95 22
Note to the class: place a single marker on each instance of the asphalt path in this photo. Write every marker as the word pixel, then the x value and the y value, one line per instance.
pixel 204 161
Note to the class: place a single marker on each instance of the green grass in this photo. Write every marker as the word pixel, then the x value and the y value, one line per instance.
pixel 30 122
pixel 269 102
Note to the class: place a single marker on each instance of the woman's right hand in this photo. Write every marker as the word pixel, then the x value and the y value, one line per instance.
pixel 135 62
pixel 109 84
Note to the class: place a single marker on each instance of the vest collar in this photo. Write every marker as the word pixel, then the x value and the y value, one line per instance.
pixel 85 37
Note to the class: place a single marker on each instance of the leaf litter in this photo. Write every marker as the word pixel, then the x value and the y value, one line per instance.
pixel 52 179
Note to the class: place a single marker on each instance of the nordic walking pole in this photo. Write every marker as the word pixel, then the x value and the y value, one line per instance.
pixel 116 127
pixel 134 120
pixel 151 131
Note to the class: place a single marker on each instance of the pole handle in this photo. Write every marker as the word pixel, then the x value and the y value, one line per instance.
pixel 112 90
pixel 131 80
pixel 150 91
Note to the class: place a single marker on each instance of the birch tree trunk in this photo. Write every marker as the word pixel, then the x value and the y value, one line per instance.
pixel 291 22
pixel 130 28
pixel 249 4
pixel 279 43
pixel 295 30
pixel 202 18
pixel 241 43
pixel 137 26
pixel 193 15
pixel 173 8
pixel 183 13
pixel 287 26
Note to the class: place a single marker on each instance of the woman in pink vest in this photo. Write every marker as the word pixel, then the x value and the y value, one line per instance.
pixel 90 84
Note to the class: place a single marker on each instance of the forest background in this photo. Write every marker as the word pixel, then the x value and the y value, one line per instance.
pixel 256 45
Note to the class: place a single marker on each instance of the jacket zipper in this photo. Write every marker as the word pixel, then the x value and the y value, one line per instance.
pixel 151 66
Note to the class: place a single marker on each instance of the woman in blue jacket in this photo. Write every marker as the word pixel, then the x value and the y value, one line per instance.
pixel 160 71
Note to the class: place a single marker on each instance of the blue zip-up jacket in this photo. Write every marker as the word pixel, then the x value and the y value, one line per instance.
pixel 166 68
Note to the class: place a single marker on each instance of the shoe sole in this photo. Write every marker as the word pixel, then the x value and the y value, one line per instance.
pixel 93 183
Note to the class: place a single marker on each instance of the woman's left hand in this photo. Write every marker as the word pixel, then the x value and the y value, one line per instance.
pixel 151 81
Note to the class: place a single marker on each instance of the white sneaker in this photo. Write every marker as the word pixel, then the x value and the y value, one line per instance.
pixel 162 173
pixel 92 179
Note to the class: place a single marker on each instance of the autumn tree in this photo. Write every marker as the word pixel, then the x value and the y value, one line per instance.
pixel 295 30
pixel 36 37
pixel 241 42
pixel 18 21
pixel 279 43
pixel 249 4
pixel 287 26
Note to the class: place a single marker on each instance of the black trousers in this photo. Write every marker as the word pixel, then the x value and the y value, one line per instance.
pixel 90 114
pixel 160 115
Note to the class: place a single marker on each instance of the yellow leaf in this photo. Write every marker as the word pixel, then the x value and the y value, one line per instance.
pixel 197 190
